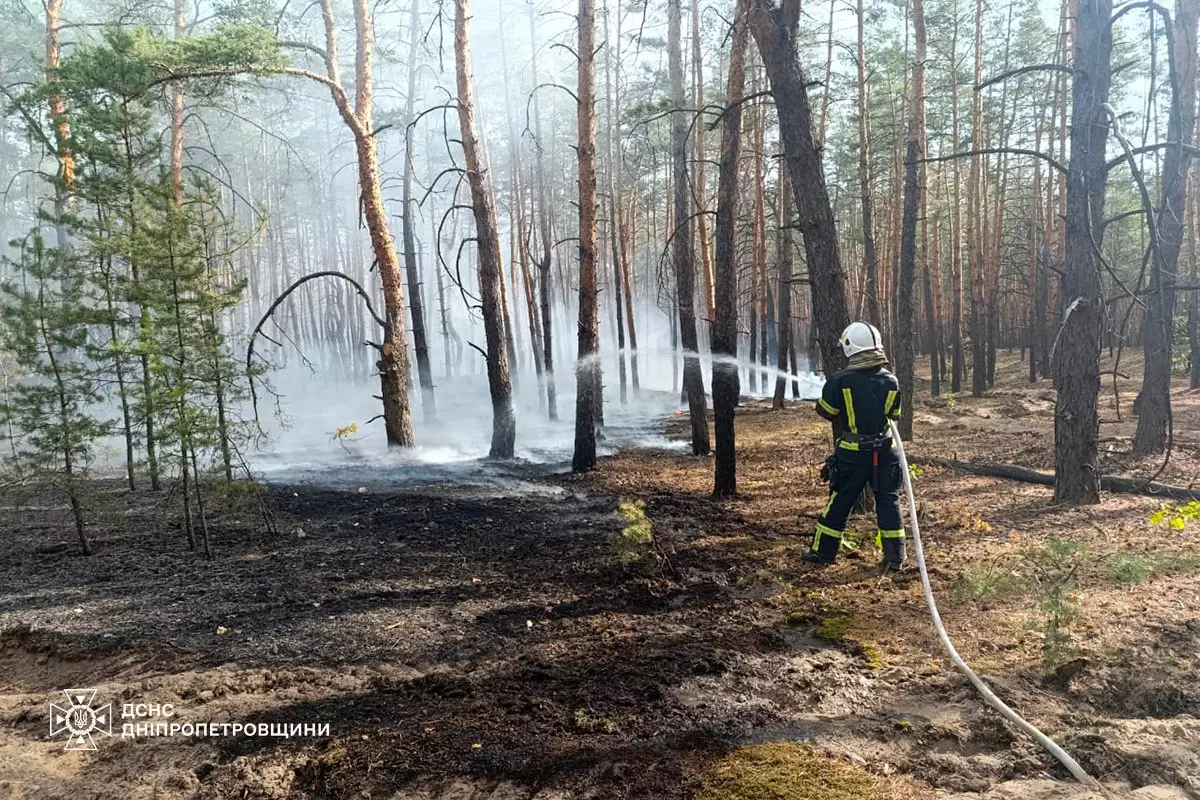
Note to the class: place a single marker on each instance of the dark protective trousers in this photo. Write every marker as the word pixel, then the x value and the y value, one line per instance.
pixel 856 471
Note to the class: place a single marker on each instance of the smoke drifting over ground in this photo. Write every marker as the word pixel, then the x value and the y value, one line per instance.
pixel 313 403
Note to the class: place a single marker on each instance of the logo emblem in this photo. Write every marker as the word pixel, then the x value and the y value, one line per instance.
pixel 79 719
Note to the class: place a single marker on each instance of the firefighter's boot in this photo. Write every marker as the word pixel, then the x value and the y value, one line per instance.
pixel 893 553
pixel 825 547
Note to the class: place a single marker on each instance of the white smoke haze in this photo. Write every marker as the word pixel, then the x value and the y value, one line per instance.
pixel 314 402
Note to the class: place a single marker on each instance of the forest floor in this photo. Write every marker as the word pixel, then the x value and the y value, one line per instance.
pixel 463 646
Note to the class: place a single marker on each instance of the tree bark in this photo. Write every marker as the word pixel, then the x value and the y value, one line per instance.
pixel 62 129
pixel 411 268
pixel 774 30
pixel 612 61
pixel 724 334
pixel 957 356
pixel 1110 483
pixel 787 260
pixel 1194 304
pixel 545 262
pixel 682 251
pixel 701 182
pixel 393 353
pixel 1154 401
pixel 587 369
pixel 1076 360
pixel 913 193
pixel 504 426
pixel 627 238
pixel 177 115
pixel 977 212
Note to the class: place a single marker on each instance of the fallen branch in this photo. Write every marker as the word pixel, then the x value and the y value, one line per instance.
pixel 1110 483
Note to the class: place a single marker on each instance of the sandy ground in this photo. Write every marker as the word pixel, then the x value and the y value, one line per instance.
pixel 468 645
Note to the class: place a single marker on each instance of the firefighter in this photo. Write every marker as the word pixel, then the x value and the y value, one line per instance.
pixel 860 400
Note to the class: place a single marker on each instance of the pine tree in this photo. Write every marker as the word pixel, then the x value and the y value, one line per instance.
pixel 44 322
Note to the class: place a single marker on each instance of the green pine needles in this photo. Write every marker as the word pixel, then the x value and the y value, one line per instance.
pixel 123 328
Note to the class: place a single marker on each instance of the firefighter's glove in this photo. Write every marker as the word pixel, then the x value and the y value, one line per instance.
pixel 829 469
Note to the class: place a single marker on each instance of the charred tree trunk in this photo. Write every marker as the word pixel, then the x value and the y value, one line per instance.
pixel 913 192
pixel 957 356
pixel 701 181
pixel 1154 401
pixel 504 427
pixel 683 256
pixel 612 61
pixel 587 370
pixel 543 263
pixel 627 285
pixel 412 271
pixel 931 321
pixel 1076 360
pixel 774 30
pixel 977 214
pixel 724 335
pixel 787 260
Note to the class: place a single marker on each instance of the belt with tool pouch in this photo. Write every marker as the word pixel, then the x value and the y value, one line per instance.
pixel 867 443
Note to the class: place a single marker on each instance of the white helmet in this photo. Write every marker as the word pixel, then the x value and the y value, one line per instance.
pixel 859 337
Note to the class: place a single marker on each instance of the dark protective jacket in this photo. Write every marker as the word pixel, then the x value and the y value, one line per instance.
pixel 864 400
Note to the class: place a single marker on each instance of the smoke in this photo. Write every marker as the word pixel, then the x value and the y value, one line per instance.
pixel 452 448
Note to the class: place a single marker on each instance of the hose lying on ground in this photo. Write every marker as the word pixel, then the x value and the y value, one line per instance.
pixel 989 696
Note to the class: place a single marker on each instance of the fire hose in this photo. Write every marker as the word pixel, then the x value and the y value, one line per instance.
pixel 1064 758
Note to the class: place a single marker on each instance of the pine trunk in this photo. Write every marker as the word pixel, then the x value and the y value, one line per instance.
pixel 1076 361
pixel 913 193
pixel 957 354
pixel 870 257
pixel 504 428
pixel 701 182
pixel 976 238
pixel 682 250
pixel 411 268
pixel 724 340
pixel 774 30
pixel 587 370
pixel 787 261
pixel 1154 413
pixel 545 262
pixel 612 61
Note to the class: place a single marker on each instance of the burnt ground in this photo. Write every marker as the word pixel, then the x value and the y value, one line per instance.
pixel 467 644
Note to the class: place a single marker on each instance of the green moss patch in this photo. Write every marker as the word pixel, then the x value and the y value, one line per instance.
pixel 840 630
pixel 786 771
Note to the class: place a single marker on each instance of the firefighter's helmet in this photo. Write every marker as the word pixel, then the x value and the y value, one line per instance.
pixel 860 337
